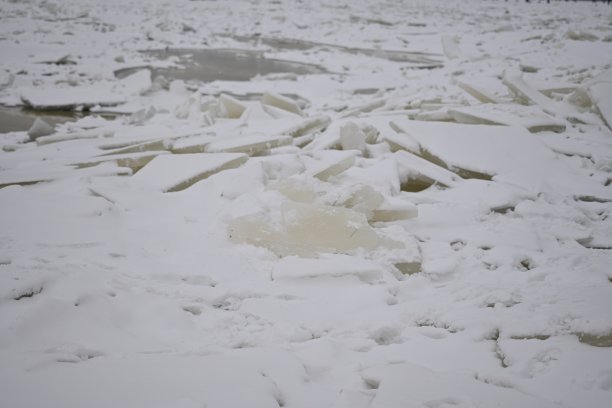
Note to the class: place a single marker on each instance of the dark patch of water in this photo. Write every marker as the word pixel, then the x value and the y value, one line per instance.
pixel 17 119
pixel 220 64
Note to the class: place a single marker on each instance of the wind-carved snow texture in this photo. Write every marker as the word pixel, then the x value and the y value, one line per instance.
pixel 400 204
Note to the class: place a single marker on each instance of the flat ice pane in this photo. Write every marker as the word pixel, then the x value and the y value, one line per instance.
pixel 530 117
pixel 247 144
pixel 281 102
pixel 177 172
pixel 477 92
pixel 134 161
pixel 330 163
pixel 394 210
pixel 474 150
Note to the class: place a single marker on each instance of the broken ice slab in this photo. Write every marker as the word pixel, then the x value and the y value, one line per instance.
pixel 308 126
pixel 399 249
pixel 192 144
pixel 294 189
pixel 477 92
pixel 278 113
pixel 148 146
pixel 380 174
pixel 63 137
pixel 328 265
pixel 134 161
pixel 528 95
pixel 39 128
pixel 355 137
pixel 175 172
pixel 362 198
pixel 328 163
pixel 551 88
pixel 305 230
pixel 281 102
pixel 394 209
pixel 417 174
pixel 233 107
pixel 365 108
pixel 70 98
pixel 24 177
pixel 250 144
pixel 601 95
pixel 328 139
pixel 450 46
pixel 472 151
pixel 531 117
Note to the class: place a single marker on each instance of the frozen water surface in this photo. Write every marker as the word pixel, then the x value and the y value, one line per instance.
pixel 305 204
pixel 218 65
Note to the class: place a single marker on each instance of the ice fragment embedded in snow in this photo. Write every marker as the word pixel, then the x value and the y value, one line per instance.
pixel 233 106
pixel 305 230
pixel 70 98
pixel 327 266
pixel 134 161
pixel 394 210
pixel 281 102
pixel 247 144
pixel 331 163
pixel 364 199
pixel 417 173
pixel 530 117
pixel 192 144
pixel 601 95
pixel 40 128
pixel 354 137
pixel 294 189
pixel 169 173
pixel 477 92
pixel 308 126
pixel 528 95
pixel 450 46
pixel 474 151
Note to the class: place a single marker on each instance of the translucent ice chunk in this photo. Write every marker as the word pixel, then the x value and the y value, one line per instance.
pixel 394 210
pixel 364 199
pixel 354 137
pixel 306 230
pixel 233 106
pixel 295 190
pixel 39 128
pixel 281 102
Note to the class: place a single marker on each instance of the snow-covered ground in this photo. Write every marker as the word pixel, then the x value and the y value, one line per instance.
pixel 418 214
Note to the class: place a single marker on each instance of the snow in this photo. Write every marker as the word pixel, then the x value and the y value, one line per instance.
pixel 392 204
